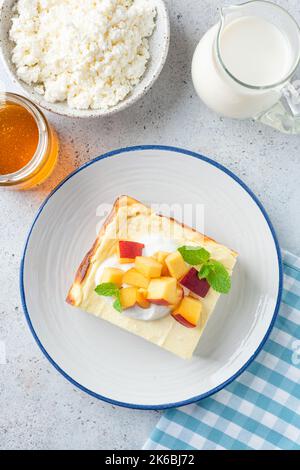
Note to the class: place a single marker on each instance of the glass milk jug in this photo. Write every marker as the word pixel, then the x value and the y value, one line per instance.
pixel 243 66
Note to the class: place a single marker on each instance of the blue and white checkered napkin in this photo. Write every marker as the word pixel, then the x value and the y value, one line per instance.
pixel 260 409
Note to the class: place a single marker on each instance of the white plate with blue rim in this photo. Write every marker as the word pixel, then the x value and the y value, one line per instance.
pixel 116 366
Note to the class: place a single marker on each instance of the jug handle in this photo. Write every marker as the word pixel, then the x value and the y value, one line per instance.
pixel 285 114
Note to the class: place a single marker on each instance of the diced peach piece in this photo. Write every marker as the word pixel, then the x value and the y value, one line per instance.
pixel 147 266
pixel 179 293
pixel 141 298
pixel 113 275
pixel 182 320
pixel 130 250
pixel 136 279
pixel 188 312
pixel 126 260
pixel 143 291
pixel 128 297
pixel 165 271
pixel 179 297
pixel 159 302
pixel 161 258
pixel 176 265
pixel 192 282
pixel 162 291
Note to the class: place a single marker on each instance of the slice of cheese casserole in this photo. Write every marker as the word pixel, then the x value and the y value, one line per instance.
pixel 133 221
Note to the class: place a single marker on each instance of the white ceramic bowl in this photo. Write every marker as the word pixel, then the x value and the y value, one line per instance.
pixel 159 46
pixel 110 363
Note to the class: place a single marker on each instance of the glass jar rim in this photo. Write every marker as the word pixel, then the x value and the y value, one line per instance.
pixel 37 159
pixel 219 53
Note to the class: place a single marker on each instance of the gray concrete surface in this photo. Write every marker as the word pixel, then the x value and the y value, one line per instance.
pixel 39 408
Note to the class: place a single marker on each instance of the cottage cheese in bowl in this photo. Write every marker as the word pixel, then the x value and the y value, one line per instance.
pixel 89 54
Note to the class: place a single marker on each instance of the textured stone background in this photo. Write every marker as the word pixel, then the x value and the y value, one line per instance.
pixel 39 408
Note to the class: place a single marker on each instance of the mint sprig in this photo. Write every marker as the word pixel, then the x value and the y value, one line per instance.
pixel 109 289
pixel 210 269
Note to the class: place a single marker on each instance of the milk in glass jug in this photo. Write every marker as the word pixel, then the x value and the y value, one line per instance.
pixel 243 66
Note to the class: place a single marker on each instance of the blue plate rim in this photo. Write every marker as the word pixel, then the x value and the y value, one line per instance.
pixel 280 271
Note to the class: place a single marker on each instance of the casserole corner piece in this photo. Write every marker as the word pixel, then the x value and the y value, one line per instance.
pixel 131 220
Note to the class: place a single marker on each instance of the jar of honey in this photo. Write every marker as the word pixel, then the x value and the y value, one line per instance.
pixel 28 145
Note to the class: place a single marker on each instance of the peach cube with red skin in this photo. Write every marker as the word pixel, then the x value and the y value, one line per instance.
pixel 188 313
pixel 128 297
pixel 162 291
pixel 128 251
pixel 147 266
pixel 176 265
pixel 113 275
pixel 192 282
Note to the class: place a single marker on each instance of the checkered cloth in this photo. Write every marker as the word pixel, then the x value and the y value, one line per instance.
pixel 259 410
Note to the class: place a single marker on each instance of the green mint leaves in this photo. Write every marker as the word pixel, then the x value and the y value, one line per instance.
pixel 194 255
pixel 213 271
pixel 117 304
pixel 204 271
pixel 109 289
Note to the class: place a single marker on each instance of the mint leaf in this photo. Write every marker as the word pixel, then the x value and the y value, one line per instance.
pixel 194 255
pixel 117 305
pixel 218 277
pixel 204 271
pixel 108 289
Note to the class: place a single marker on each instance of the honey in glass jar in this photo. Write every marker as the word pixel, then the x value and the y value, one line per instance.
pixel 28 145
